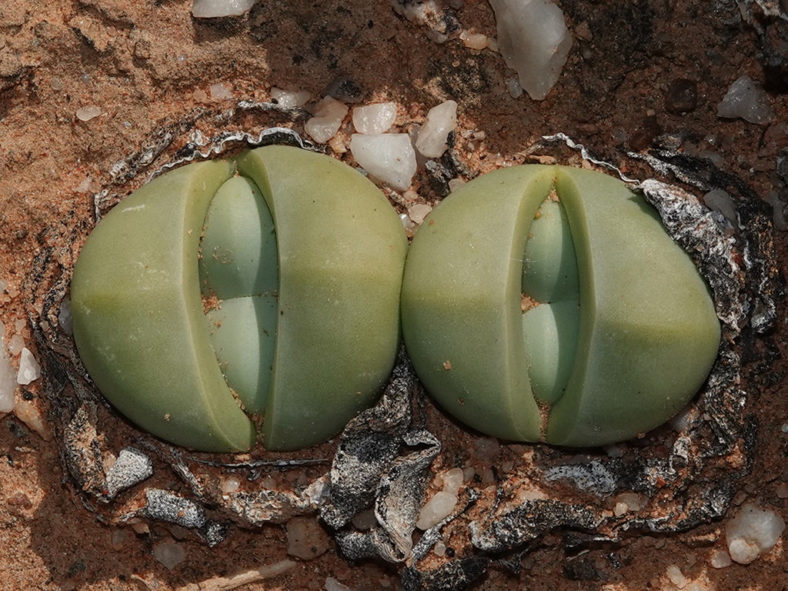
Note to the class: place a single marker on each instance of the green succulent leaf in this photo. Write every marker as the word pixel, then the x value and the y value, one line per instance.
pixel 300 264
pixel 548 303
pixel 138 316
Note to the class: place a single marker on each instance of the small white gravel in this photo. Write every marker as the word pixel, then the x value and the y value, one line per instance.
pixel 169 553
pixel 231 484
pixel 720 559
pixel 452 480
pixel 418 211
pixel 388 157
pixel 513 88
pixel 29 370
pixel 473 40
pixel 441 120
pixel 89 112
pixel 746 99
pixel 626 502
pixel 15 345
pixel 220 92
pixel 327 120
pixel 676 577
pixel 290 98
pixel 374 119
pixel 438 508
pixel 752 532
pixel 220 8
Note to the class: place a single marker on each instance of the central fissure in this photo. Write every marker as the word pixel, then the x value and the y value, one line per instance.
pixel 239 271
pixel 550 301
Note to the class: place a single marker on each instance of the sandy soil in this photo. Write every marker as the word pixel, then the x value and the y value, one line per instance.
pixel 146 64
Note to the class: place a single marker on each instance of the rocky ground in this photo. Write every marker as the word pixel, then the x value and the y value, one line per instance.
pixel 88 84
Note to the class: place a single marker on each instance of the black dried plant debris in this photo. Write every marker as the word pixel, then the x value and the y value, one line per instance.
pixel 382 462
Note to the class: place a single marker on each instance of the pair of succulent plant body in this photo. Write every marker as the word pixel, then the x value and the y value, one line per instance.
pixel 536 303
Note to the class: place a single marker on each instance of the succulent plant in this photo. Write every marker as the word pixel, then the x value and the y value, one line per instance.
pixel 545 303
pixel 269 283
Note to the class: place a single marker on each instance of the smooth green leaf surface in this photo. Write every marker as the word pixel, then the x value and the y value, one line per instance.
pixel 341 254
pixel 138 316
pixel 618 330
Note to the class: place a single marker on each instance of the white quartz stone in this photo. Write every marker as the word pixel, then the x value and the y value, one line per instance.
pixel 452 480
pixel 220 8
pixel 438 508
pixel 418 211
pixel 374 119
pixel 752 532
pixel 441 120
pixel 290 98
pixel 534 40
pixel 327 119
pixel 388 157
pixel 29 370
pixel 746 99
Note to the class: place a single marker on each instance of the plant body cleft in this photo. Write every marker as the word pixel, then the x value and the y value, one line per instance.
pixel 547 303
pixel 267 286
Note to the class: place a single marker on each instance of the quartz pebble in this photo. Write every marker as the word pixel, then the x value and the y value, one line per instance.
pixel 374 119
pixel 15 345
pixel 438 508
pixel 676 577
pixel 752 532
pixel 473 40
pixel 720 559
pixel 745 99
pixel 626 502
pixel 220 8
pixel 290 98
pixel 169 553
pixel 534 41
pixel 418 211
pixel 433 135
pixel 327 119
pixel 305 538
pixel 231 484
pixel 513 88
pixel 388 157
pixel 29 413
pixel 220 92
pixel 88 113
pixel 29 370
pixel 452 480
